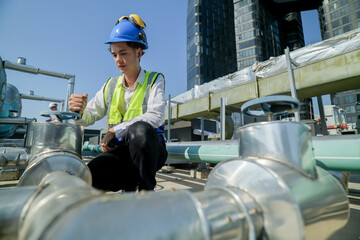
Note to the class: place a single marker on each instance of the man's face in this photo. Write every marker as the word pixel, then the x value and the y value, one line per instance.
pixel 125 57
pixel 53 108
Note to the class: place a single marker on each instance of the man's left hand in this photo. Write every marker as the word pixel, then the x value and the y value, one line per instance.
pixel 109 136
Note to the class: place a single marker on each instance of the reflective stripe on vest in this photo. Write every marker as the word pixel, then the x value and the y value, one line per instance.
pixel 114 98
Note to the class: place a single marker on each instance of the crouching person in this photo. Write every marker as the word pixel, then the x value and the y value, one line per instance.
pixel 134 104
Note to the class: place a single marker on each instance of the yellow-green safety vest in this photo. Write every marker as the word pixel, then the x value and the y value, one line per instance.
pixel 114 98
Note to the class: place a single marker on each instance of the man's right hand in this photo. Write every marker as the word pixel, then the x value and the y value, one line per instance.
pixel 77 102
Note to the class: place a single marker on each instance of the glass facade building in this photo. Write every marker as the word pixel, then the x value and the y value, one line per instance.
pixel 211 51
pixel 224 36
pixel 263 29
pixel 256 31
pixel 338 16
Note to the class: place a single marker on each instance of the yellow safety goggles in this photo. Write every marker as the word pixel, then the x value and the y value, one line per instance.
pixel 134 19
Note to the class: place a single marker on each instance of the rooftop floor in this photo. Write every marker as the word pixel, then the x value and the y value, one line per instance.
pixel 181 179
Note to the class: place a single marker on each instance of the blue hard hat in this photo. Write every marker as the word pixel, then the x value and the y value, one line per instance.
pixel 126 31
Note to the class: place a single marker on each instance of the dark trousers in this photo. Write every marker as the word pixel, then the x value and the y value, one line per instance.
pixel 133 163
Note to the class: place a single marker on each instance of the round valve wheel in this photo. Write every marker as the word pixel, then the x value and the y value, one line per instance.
pixel 270 106
pixel 61 115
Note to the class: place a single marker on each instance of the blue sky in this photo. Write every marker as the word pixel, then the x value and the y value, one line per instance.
pixel 68 36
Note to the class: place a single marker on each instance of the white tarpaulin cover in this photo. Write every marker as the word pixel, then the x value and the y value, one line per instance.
pixel 302 56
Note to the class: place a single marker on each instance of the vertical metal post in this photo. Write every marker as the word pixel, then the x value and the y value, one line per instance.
pixel 202 166
pixel 62 106
pixel 242 117
pixel 202 128
pixel 322 116
pixel 222 118
pixel 70 90
pixel 169 119
pixel 291 79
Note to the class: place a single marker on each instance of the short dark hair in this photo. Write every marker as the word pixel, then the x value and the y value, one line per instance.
pixel 133 45
pixel 136 45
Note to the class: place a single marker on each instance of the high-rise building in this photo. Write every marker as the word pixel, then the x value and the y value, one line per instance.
pixel 337 17
pixel 256 31
pixel 264 29
pixel 227 35
pixel 211 51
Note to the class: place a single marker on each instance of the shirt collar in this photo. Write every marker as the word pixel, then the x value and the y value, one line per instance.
pixel 140 79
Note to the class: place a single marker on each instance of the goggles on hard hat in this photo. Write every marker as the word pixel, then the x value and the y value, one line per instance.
pixel 134 19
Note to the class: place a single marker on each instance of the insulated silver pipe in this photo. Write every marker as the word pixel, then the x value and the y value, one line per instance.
pixel 57 195
pixel 214 214
pixel 35 70
pixel 16 121
pixel 39 98
pixel 282 197
pixel 273 140
pixel 55 147
pixel 12 202
pixel 65 207
pixel 298 199
pixel 218 213
pixel 27 212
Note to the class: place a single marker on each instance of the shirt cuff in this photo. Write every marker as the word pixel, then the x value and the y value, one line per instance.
pixel 118 129
pixel 82 120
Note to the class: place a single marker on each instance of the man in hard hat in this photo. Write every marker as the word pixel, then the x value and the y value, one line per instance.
pixel 53 106
pixel 134 106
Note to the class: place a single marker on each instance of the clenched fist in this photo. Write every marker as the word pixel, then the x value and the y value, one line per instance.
pixel 77 103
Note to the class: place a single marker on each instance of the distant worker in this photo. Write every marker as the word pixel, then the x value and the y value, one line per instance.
pixel 53 107
pixel 134 105
pixel 358 125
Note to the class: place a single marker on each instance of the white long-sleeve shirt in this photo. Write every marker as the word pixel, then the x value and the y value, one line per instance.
pixel 96 107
